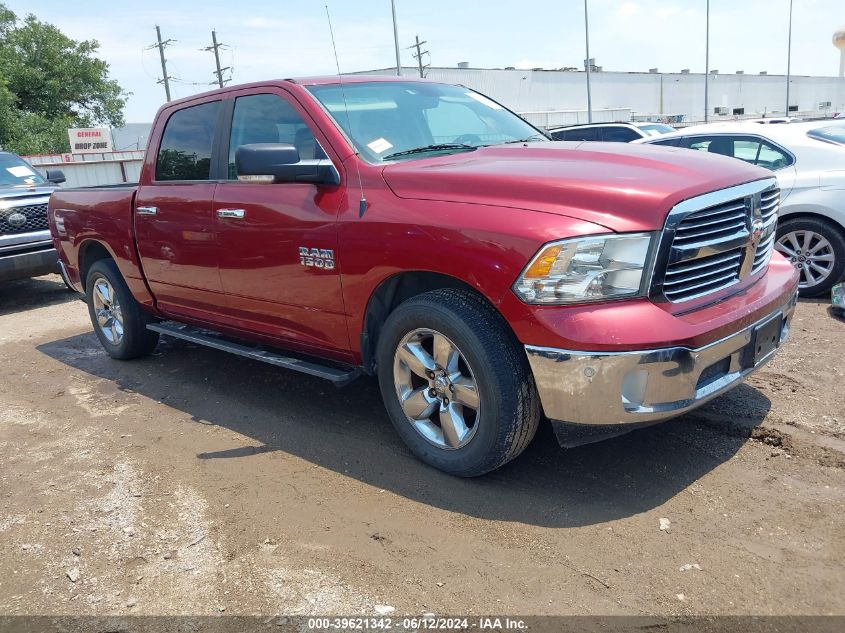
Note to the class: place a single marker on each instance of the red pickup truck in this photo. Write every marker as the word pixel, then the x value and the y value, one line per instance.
pixel 423 233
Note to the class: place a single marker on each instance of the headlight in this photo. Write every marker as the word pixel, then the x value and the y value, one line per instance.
pixel 586 269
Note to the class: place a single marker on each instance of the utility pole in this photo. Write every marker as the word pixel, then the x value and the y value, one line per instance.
pixel 161 45
pixel 419 55
pixel 707 66
pixel 788 59
pixel 588 64
pixel 396 39
pixel 215 47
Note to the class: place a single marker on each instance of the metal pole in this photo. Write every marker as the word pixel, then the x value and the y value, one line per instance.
pixel 707 67
pixel 788 59
pixel 217 58
pixel 396 38
pixel 588 64
pixel 165 78
pixel 419 56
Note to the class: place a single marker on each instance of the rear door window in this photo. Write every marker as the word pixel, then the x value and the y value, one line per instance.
pixel 579 134
pixel 185 150
pixel 750 149
pixel 619 135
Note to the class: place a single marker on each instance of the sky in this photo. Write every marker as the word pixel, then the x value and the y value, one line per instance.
pixel 280 38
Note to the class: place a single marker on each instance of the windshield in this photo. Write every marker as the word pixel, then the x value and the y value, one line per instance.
pixel 655 129
pixel 16 172
pixel 415 119
pixel 832 134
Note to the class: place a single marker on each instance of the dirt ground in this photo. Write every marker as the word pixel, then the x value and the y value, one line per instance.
pixel 196 482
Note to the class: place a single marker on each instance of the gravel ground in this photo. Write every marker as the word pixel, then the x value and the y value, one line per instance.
pixel 196 482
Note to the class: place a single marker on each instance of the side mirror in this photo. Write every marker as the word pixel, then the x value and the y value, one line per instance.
pixel 280 162
pixel 56 176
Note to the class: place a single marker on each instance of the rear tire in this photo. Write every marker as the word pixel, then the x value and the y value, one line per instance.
pixel 118 320
pixel 816 247
pixel 457 367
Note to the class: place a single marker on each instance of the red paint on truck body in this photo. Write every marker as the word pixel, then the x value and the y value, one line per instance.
pixel 478 217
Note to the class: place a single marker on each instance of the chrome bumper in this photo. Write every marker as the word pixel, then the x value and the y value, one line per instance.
pixel 643 386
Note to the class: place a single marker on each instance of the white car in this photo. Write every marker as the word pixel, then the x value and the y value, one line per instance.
pixel 808 159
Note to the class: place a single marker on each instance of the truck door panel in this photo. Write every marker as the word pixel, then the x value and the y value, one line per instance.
pixel 278 259
pixel 175 223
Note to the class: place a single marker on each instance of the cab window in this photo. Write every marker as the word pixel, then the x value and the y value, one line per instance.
pixel 185 150
pixel 268 118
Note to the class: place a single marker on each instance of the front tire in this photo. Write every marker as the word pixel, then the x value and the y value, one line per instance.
pixel 456 383
pixel 118 320
pixel 816 248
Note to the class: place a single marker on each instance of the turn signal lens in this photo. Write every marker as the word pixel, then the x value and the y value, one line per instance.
pixel 586 269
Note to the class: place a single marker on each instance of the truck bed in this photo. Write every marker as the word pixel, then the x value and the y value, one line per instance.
pixel 80 215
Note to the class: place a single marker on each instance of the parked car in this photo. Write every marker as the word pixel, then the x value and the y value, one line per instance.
pixel 425 234
pixel 26 248
pixel 775 120
pixel 610 132
pixel 808 159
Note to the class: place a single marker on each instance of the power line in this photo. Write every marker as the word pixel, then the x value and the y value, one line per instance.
pixel 419 55
pixel 161 45
pixel 215 47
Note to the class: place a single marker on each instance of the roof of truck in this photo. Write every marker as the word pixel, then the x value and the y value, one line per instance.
pixel 303 81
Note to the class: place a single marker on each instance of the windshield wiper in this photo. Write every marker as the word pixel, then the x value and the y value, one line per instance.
pixel 533 137
pixel 429 148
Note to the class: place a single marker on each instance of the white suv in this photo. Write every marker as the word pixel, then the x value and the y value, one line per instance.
pixel 609 132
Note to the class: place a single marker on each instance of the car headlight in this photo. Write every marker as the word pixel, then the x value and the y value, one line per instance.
pixel 582 269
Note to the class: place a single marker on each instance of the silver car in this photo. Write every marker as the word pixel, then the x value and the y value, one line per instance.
pixel 808 159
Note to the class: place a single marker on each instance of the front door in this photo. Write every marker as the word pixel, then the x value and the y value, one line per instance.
pixel 174 219
pixel 279 261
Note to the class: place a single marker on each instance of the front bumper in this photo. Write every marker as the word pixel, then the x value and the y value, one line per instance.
pixel 645 386
pixel 28 264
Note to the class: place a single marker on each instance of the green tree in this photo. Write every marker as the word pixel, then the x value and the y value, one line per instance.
pixel 48 83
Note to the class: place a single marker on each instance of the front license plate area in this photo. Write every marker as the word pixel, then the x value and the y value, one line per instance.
pixel 765 339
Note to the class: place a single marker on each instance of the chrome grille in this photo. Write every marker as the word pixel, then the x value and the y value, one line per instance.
pixel 769 206
pixel 713 224
pixel 715 241
pixel 34 219
pixel 703 275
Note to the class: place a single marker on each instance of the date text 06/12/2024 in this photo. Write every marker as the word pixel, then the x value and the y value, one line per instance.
pixel 422 623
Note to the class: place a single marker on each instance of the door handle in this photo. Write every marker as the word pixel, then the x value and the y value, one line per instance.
pixel 146 210
pixel 237 214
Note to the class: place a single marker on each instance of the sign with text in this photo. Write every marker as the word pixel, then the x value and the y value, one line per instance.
pixel 89 140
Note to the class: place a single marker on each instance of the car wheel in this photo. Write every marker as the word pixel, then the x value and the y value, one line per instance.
pixel 816 248
pixel 456 383
pixel 119 321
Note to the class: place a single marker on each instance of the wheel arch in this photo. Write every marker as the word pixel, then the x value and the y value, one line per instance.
pixel 391 292
pixel 807 213
pixel 91 251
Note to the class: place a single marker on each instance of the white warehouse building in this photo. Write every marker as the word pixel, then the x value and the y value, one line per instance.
pixel 558 97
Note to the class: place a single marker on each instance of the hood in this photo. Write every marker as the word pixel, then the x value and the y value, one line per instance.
pixel 11 193
pixel 619 186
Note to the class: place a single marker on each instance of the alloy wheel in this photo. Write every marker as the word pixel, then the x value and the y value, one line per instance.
pixel 436 388
pixel 811 253
pixel 108 312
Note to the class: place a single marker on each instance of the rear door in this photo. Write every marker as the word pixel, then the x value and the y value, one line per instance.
pixel 175 224
pixel 279 262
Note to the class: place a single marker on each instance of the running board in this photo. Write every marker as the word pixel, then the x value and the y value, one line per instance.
pixel 337 375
